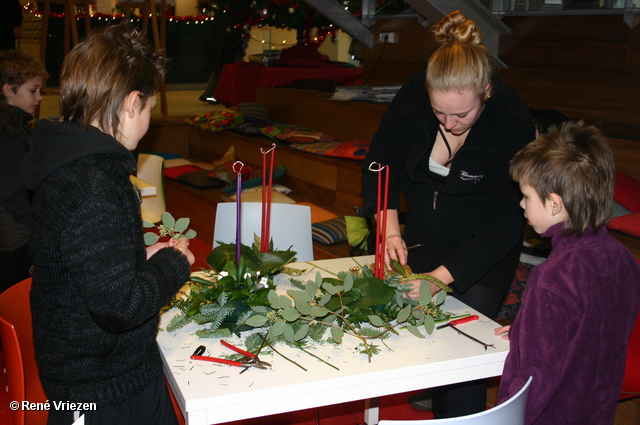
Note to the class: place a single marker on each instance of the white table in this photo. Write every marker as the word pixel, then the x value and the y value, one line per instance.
pixel 210 393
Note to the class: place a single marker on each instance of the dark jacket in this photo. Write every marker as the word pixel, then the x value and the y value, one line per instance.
pixel 95 297
pixel 572 330
pixel 470 221
pixel 15 208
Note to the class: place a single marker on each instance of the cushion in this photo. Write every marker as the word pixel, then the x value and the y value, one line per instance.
pixel 318 214
pixel 251 128
pixel 256 196
pixel 627 192
pixel 275 187
pixel 225 172
pixel 316 148
pixel 629 224
pixel 253 179
pixel 273 130
pixel 619 210
pixel 200 179
pixel 216 121
pixel 253 112
pixel 354 149
pixel 330 232
pixel 305 136
pixel 173 172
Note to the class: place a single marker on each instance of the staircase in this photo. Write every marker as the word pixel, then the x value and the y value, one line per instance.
pixel 487 14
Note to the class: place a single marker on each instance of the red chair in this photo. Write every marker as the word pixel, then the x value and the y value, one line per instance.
pixel 17 344
pixel 13 367
pixel 631 379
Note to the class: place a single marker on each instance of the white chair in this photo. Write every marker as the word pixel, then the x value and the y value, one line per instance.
pixel 150 170
pixel 290 226
pixel 511 412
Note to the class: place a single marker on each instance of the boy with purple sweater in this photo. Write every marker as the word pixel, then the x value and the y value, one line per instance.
pixel 581 303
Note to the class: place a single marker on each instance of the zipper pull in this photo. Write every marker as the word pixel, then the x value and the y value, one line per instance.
pixel 435 197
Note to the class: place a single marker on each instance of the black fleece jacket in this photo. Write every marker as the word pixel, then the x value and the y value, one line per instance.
pixel 470 221
pixel 95 297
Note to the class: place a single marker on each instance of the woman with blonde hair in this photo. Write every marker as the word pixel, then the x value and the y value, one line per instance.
pixel 447 138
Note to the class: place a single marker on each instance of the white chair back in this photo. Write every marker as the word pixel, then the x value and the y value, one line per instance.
pixel 150 170
pixel 511 412
pixel 290 226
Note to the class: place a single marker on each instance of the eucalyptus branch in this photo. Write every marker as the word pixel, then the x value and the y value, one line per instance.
pixel 266 341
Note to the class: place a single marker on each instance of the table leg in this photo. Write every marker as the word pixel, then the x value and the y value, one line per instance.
pixel 371 411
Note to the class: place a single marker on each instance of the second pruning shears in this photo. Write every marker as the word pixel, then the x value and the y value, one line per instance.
pixel 452 324
pixel 249 360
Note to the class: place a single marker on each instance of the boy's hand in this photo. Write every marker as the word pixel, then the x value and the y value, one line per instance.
pixel 504 331
pixel 182 245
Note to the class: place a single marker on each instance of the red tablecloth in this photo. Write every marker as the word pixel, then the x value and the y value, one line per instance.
pixel 239 81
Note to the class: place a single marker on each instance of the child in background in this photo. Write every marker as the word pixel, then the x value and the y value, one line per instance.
pixel 21 78
pixel 581 303
pixel 97 291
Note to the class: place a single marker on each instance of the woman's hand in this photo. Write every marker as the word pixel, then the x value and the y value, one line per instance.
pixel 395 249
pixel 504 331
pixel 415 292
pixel 182 245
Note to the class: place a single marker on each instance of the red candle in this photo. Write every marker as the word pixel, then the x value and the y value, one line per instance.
pixel 267 187
pixel 381 210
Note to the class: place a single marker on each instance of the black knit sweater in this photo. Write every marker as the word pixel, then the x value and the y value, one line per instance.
pixel 95 297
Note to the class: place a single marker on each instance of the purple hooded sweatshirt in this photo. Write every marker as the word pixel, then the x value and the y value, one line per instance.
pixel 572 330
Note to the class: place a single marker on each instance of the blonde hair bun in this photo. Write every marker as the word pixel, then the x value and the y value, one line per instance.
pixel 456 28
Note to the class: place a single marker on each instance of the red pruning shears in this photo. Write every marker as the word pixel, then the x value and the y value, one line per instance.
pixel 251 360
pixel 452 324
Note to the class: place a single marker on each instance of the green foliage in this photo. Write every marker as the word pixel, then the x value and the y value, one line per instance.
pixel 324 309
pixel 169 226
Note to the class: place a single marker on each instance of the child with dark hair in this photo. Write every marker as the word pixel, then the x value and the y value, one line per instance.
pixel 581 303
pixel 21 78
pixel 544 119
pixel 97 291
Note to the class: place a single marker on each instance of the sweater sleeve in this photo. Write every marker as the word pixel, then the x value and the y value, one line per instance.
pixel 540 338
pixel 106 259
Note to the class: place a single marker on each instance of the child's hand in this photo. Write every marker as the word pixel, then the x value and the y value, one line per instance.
pixel 504 331
pixel 158 246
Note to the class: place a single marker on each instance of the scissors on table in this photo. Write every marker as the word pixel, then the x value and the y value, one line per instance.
pixel 250 360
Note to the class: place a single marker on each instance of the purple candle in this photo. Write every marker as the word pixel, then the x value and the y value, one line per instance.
pixel 238 207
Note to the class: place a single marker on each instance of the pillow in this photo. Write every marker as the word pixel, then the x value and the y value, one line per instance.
pixel 316 148
pixel 330 232
pixel 275 187
pixel 271 131
pixel 305 136
pixel 173 172
pixel 619 210
pixel 253 179
pixel 354 149
pixel 629 224
pixel 200 179
pixel 627 192
pixel 318 214
pixel 253 112
pixel 216 121
pixel 251 128
pixel 276 197
pixel 225 172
